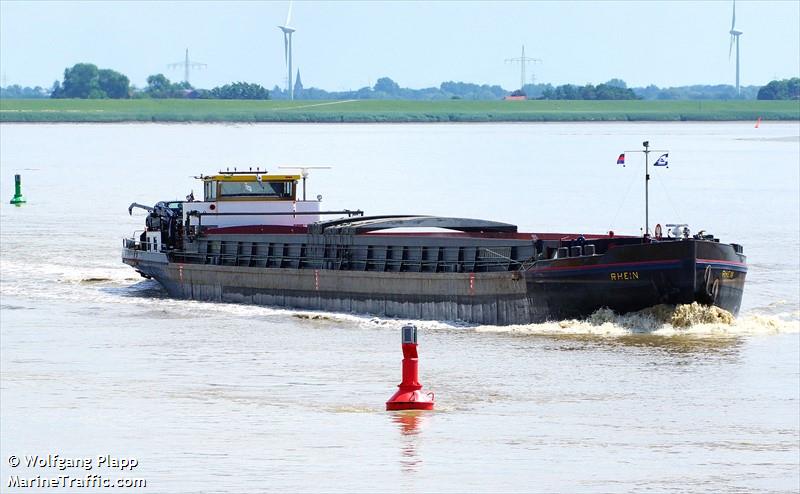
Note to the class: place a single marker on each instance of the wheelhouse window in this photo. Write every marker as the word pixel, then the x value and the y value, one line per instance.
pixel 210 191
pixel 278 190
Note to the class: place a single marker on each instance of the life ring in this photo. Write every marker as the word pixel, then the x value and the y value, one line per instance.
pixel 658 231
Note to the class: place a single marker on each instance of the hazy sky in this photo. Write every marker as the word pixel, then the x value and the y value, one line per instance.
pixel 348 45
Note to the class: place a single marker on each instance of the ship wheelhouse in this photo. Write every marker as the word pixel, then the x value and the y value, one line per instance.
pixel 250 188
pixel 250 198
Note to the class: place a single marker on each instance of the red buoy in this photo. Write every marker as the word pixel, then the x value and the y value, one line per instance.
pixel 410 396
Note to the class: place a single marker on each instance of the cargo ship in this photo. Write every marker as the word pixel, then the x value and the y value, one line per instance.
pixel 252 239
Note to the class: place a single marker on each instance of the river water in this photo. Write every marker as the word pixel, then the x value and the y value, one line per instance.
pixel 229 398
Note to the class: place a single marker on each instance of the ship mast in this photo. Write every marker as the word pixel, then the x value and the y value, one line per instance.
pixel 304 173
pixel 647 152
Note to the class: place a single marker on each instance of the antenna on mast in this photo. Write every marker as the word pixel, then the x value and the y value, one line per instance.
pixel 304 173
pixel 647 152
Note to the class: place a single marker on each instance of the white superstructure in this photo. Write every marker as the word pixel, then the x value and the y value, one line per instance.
pixel 250 198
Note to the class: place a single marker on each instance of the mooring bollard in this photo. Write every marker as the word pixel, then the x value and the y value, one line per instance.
pixel 410 396
pixel 17 199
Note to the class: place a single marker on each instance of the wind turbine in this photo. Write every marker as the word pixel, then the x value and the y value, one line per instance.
pixel 735 38
pixel 287 49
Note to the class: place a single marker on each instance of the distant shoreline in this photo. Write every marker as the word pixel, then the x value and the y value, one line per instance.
pixel 497 122
pixel 384 111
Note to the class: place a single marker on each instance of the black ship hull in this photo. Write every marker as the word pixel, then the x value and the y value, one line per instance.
pixel 629 275
pixel 634 277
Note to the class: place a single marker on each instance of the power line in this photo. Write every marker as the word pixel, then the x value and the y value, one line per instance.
pixel 187 65
pixel 523 61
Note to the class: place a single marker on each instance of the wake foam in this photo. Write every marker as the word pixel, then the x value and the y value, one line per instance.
pixel 79 273
pixel 680 316
pixel 663 320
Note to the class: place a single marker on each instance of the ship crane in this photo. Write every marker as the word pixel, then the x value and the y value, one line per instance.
pixel 304 173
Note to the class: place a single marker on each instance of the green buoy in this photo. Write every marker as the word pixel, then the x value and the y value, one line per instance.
pixel 18 199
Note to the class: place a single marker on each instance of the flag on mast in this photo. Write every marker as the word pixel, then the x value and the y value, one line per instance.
pixel 621 159
pixel 663 160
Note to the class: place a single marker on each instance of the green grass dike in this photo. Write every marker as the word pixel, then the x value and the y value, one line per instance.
pixel 380 111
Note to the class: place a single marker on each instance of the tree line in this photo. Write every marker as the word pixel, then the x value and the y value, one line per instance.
pixel 386 88
pixel 85 80
pixel 15 91
pixel 614 89
pixel 697 92
pixel 783 89
pixel 158 86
